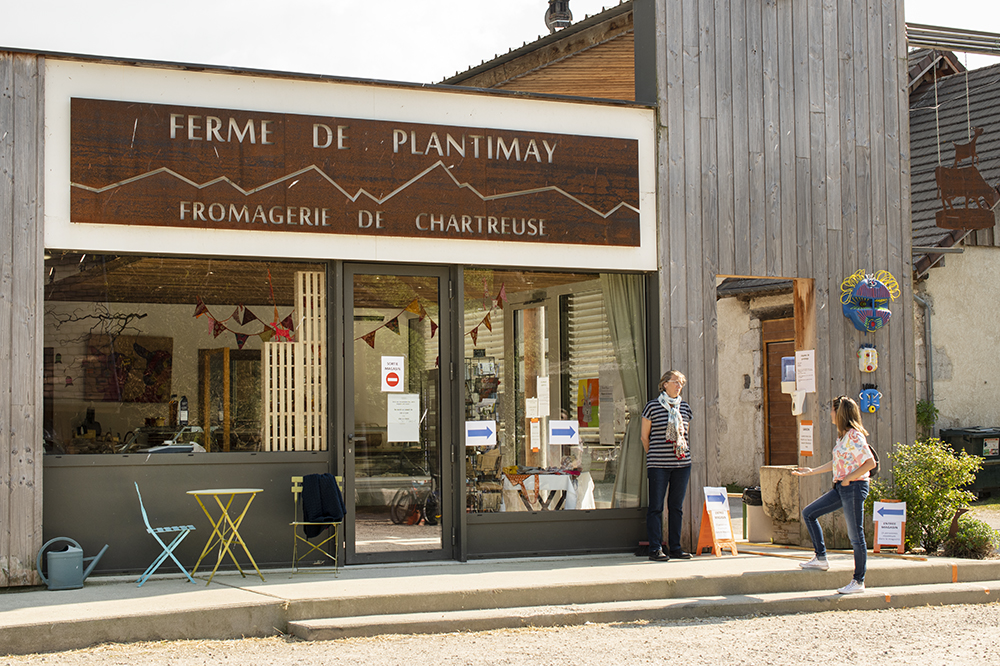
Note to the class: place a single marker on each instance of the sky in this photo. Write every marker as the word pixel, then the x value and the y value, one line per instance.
pixel 421 41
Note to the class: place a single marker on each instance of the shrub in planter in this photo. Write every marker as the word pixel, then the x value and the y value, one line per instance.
pixel 928 476
pixel 974 539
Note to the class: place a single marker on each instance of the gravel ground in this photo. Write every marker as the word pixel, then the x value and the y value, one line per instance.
pixel 926 636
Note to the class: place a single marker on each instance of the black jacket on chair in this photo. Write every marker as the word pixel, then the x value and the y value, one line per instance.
pixel 321 502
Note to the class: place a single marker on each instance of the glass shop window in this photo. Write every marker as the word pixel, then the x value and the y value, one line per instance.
pixel 554 386
pixel 157 354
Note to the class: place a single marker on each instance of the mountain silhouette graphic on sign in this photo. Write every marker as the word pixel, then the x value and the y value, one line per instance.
pixel 313 201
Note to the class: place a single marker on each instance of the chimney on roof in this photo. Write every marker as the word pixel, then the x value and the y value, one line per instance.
pixel 558 15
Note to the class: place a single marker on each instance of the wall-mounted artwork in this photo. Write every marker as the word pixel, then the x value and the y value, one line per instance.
pixel 865 299
pixel 128 368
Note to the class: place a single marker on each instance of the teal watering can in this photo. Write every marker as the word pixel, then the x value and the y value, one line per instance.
pixel 66 566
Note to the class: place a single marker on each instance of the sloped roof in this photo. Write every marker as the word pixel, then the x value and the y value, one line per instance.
pixel 940 115
pixel 545 64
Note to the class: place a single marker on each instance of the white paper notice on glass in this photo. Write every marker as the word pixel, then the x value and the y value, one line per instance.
pixel 403 417
pixel 542 391
pixel 392 374
pixel 481 433
pixel 531 408
pixel 805 370
pixel 536 434
pixel 806 438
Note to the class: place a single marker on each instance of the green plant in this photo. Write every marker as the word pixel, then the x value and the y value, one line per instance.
pixel 928 476
pixel 975 539
pixel 927 415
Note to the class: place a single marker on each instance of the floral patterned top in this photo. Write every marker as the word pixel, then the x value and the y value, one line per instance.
pixel 850 452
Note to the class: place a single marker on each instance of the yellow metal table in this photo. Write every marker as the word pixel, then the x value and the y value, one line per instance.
pixel 225 529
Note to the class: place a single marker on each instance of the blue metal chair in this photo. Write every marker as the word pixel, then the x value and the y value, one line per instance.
pixel 168 550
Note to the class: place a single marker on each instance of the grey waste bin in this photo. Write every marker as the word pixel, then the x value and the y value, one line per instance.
pixel 983 443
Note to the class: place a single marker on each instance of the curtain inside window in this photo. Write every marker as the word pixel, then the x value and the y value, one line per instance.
pixel 625 303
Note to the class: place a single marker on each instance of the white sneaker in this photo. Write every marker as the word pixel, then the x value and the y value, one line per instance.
pixel 816 563
pixel 852 588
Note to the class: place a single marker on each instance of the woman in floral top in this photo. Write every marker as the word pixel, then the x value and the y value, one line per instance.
pixel 852 460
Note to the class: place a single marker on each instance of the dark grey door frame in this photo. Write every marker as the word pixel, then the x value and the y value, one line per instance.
pixel 451 493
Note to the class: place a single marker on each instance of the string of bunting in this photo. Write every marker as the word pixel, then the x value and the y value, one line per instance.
pixel 489 305
pixel 393 324
pixel 416 308
pixel 282 330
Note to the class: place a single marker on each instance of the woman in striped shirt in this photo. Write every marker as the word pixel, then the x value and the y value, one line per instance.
pixel 665 425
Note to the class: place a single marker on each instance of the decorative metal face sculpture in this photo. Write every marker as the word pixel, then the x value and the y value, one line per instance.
pixel 867 358
pixel 870 397
pixel 865 299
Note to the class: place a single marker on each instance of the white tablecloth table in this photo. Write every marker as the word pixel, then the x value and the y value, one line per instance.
pixel 555 492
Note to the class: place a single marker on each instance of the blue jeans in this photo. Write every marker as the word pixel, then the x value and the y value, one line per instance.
pixel 673 484
pixel 852 500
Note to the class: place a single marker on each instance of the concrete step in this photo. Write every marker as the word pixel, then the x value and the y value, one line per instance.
pixel 686 580
pixel 769 603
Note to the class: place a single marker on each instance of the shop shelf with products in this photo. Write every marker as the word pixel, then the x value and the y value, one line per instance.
pixel 481 386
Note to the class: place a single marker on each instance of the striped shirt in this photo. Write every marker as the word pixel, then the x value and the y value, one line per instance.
pixel 661 452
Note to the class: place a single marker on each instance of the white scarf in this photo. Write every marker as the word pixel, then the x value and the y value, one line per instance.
pixel 672 405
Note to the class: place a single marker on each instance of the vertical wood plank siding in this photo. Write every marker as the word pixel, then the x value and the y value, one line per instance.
pixel 798 168
pixel 21 333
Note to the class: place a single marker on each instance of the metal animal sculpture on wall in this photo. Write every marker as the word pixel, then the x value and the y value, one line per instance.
pixel 968 149
pixel 967 200
pixel 865 299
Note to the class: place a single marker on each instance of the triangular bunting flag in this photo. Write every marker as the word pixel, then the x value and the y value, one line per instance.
pixel 266 335
pixel 486 295
pixel 393 325
pixel 486 320
pixel 414 306
pixel 475 334
pixel 200 308
pixel 217 328
pixel 288 322
pixel 370 339
pixel 241 339
pixel 247 317
pixel 502 296
pixel 236 314
pixel 434 328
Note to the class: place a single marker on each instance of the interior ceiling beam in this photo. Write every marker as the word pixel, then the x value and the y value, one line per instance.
pixel 952 39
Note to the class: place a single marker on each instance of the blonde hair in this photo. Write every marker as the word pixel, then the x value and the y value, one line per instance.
pixel 848 415
pixel 671 374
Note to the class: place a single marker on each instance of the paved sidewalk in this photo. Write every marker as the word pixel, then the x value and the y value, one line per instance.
pixel 363 600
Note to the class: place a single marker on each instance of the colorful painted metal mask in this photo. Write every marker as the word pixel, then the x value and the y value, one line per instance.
pixel 865 299
pixel 869 399
pixel 867 358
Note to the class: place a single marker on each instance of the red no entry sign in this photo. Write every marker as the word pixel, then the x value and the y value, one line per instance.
pixel 392 379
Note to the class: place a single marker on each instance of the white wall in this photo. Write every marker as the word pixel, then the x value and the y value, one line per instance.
pixel 965 330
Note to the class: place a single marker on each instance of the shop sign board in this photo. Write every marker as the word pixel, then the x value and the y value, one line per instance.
pixel 201 167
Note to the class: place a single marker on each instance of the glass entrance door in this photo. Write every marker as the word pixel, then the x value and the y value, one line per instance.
pixel 397 439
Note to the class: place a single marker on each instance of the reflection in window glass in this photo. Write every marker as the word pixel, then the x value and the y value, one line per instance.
pixel 554 379
pixel 174 355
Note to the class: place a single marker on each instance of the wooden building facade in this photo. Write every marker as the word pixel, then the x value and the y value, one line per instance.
pixel 21 264
pixel 783 153
pixel 782 134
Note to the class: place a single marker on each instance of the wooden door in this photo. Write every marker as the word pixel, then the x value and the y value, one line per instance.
pixel 780 440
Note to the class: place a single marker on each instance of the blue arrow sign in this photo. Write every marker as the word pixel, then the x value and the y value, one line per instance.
pixel 563 432
pixel 891 512
pixel 485 432
pixel 716 499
